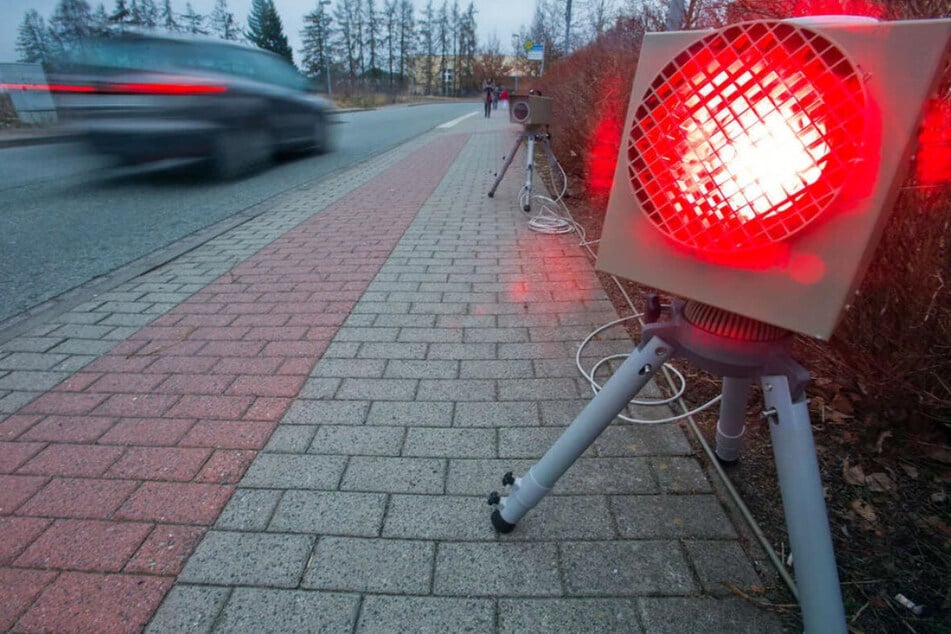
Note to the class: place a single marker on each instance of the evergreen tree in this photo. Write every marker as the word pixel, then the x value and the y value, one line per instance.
pixel 167 19
pixel 315 49
pixel 100 21
pixel 121 14
pixel 71 23
pixel 265 29
pixel 32 42
pixel 223 23
pixel 145 13
pixel 391 18
pixel 193 22
pixel 428 44
pixel 407 35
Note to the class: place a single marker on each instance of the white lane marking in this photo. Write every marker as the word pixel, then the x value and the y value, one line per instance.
pixel 449 124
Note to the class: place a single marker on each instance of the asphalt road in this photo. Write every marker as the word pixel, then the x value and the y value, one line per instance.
pixel 66 217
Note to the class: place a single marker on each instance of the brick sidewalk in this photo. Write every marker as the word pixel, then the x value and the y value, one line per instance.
pixel 349 494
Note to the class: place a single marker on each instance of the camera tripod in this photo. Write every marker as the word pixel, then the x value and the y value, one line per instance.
pixel 530 136
pixel 740 350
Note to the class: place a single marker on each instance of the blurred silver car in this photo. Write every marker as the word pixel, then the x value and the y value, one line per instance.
pixel 142 97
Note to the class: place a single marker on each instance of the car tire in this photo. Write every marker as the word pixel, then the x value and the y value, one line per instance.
pixel 239 152
pixel 320 143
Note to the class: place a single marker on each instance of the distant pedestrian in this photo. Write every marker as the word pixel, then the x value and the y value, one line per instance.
pixel 496 91
pixel 504 99
pixel 487 98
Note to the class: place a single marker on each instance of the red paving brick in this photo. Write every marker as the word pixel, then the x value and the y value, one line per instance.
pixel 89 545
pixel 77 461
pixel 17 489
pixel 85 498
pixel 147 431
pixel 82 602
pixel 176 502
pixel 149 440
pixel 160 463
pixel 69 428
pixel 16 533
pixel 166 550
pixel 18 589
pixel 13 454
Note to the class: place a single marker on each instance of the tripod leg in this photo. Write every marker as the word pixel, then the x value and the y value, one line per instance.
pixel 731 426
pixel 806 520
pixel 505 166
pixel 528 491
pixel 529 168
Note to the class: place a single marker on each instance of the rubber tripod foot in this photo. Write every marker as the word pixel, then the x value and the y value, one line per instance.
pixel 491 194
pixel 500 524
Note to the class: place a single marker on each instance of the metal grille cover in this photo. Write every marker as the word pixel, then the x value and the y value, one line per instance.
pixel 746 136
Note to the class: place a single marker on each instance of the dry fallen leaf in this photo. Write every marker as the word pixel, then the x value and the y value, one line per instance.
pixel 882 437
pixel 853 475
pixel 910 470
pixel 880 483
pixel 864 510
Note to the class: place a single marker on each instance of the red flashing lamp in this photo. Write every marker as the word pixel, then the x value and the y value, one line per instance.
pixel 758 161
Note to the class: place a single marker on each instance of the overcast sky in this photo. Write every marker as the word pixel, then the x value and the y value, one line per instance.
pixel 499 17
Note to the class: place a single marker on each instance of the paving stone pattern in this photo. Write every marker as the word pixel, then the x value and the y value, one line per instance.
pixel 172 459
pixel 110 479
pixel 366 509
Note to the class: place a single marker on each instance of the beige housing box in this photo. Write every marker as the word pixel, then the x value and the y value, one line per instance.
pixel 808 275
pixel 530 109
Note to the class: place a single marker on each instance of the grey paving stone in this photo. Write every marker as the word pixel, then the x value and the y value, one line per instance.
pixel 538 389
pixel 530 442
pixel 365 368
pixel 680 475
pixel 366 334
pixel 318 388
pixel 494 414
pixel 249 510
pixel 557 616
pixel 626 568
pixel 378 389
pixel 675 615
pixel 607 476
pixel 329 513
pixel 84 347
pixel 392 351
pixel 447 442
pixel 430 335
pixel 74 363
pixel 399 321
pixel 31 360
pixel 358 441
pixel 381 307
pixel 671 516
pixel 438 308
pixel 266 611
pixel 559 517
pixel 371 565
pixel 292 471
pixel 720 562
pixel 132 320
pixel 459 351
pixel 421 369
pixel 491 569
pixel 81 331
pixel 29 380
pixel 13 401
pixel 314 412
pixel 478 477
pixel 359 320
pixel 642 440
pixel 486 369
pixel 382 614
pixel 394 475
pixel 466 321
pixel 290 439
pixel 438 517
pixel 456 389
pixel 189 610
pixel 263 559
pixel 410 413
pixel 341 350
pixel 544 350
pixel 30 344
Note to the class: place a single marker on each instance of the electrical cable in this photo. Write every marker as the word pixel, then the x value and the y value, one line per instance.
pixel 564 215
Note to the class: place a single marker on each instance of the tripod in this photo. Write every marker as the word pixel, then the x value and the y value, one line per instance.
pixel 739 350
pixel 530 135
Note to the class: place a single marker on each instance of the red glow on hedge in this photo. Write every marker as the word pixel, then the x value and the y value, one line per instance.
pixel 933 164
pixel 803 8
pixel 602 157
